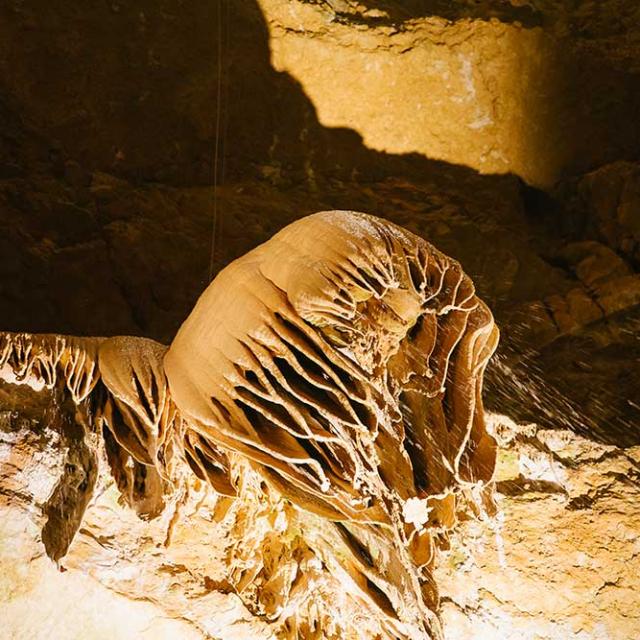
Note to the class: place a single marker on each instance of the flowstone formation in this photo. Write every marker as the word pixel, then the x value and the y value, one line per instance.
pixel 327 387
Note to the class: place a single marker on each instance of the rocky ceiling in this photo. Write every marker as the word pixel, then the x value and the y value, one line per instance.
pixel 504 132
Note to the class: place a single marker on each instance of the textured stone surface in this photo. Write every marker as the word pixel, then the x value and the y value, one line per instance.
pixel 560 561
pixel 539 88
pixel 98 100
pixel 563 558
pixel 575 352
pixel 328 386
pixel 120 577
pixel 521 87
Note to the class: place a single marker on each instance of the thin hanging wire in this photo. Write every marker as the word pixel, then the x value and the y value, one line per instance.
pixel 216 147
pixel 225 102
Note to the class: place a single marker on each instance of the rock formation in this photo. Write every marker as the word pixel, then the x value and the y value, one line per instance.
pixel 562 559
pixel 329 384
pixel 504 131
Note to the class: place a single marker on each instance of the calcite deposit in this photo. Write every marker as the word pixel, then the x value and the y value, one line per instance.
pixel 562 559
pixel 327 387
pixel 535 571
pixel 506 132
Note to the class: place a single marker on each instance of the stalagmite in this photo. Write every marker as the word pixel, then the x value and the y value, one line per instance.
pixel 328 387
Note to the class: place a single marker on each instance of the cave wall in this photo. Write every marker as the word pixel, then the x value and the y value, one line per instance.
pixel 144 93
pixel 108 118
pixel 540 90
pixel 561 561
pixel 521 87
pixel 433 114
pixel 133 90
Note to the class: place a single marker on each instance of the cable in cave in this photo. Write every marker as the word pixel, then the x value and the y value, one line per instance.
pixel 216 144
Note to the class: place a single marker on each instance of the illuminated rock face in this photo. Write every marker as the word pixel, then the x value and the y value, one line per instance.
pixel 503 87
pixel 562 559
pixel 344 360
pixel 472 92
pixel 328 387
pixel 537 88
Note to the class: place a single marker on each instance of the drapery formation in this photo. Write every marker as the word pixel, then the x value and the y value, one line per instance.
pixel 336 370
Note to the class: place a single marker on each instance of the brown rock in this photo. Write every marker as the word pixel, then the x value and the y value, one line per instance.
pixel 594 262
pixel 563 559
pixel 328 388
pixel 513 93
pixel 613 197
pixel 619 294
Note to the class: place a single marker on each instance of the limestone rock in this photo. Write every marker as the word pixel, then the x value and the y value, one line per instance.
pixel 563 558
pixel 323 382
pixel 327 388
pixel 537 570
pixel 612 194
pixel 107 127
pixel 541 89
pixel 497 86
pixel 120 577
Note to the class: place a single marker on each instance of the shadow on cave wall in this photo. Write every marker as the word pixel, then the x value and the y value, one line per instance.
pixel 134 93
pixel 143 94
